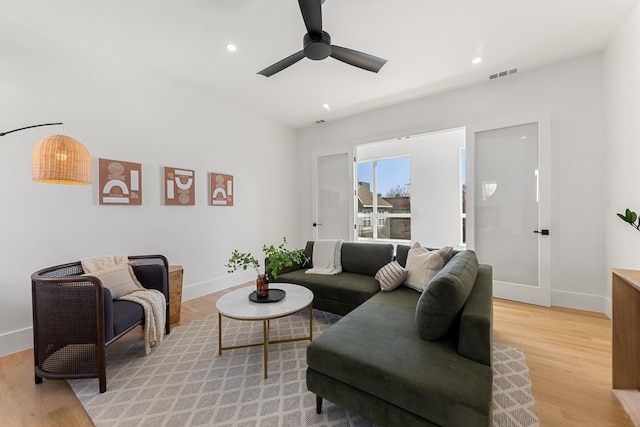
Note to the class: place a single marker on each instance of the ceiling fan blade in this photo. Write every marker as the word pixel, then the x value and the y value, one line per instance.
pixel 281 65
pixel 357 59
pixel 312 15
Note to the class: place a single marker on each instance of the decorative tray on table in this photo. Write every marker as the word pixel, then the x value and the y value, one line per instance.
pixel 274 296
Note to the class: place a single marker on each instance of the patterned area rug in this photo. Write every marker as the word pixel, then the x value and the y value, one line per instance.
pixel 184 382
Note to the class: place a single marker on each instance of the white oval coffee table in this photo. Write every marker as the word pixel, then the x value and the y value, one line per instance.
pixel 236 305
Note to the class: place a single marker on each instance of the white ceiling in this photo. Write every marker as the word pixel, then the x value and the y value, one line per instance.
pixel 429 44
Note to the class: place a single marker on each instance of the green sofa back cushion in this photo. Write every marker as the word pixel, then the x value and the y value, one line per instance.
pixel 445 295
pixel 402 252
pixel 365 258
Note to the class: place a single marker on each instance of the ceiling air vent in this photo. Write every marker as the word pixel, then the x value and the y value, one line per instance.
pixel 503 73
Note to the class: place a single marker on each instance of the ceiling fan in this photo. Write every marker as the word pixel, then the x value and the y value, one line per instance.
pixel 317 45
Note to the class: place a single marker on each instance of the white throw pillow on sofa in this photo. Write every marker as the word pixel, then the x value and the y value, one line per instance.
pixel 423 264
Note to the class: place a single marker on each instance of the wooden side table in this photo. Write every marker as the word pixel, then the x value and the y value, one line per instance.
pixel 626 340
pixel 175 292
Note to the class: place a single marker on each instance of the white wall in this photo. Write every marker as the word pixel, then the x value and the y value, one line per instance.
pixel 122 112
pixel 435 183
pixel 571 95
pixel 622 101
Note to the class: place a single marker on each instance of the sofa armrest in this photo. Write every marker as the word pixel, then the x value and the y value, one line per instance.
pixel 285 270
pixel 475 338
pixel 307 254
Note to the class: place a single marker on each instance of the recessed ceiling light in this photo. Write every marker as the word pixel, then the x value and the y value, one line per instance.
pixel 476 60
pixel 326 107
pixel 232 47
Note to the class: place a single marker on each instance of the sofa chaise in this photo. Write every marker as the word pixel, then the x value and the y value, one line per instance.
pixel 404 357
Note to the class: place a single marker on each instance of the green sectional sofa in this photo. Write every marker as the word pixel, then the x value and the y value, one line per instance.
pixel 376 361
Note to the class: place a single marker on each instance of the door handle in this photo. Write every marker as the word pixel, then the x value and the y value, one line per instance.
pixel 544 232
pixel 315 224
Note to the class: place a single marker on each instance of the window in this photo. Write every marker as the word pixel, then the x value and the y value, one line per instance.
pixel 390 208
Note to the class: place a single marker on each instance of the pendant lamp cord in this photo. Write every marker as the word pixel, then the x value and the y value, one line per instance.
pixel 28 127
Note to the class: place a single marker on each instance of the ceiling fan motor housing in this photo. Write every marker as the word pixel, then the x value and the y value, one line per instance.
pixel 317 46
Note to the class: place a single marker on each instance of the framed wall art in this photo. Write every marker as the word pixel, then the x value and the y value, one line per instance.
pixel 119 183
pixel 179 187
pixel 220 189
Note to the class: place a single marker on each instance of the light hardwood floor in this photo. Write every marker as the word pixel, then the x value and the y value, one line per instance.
pixel 568 353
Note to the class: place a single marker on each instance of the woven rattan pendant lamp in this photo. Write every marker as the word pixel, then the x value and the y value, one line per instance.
pixel 59 159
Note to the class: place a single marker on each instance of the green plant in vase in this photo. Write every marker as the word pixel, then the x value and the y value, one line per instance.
pixel 630 217
pixel 277 258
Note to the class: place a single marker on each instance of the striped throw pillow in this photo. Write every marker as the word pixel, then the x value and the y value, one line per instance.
pixel 391 276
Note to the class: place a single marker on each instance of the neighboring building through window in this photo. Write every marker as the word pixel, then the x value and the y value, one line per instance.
pixel 388 179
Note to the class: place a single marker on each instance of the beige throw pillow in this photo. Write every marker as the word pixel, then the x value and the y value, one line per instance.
pixel 391 276
pixel 93 264
pixel 424 264
pixel 117 279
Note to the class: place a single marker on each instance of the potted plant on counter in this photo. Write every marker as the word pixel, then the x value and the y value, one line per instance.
pixel 278 257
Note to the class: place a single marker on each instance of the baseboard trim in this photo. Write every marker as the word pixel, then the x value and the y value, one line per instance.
pixel 579 301
pixel 15 341
pixel 201 289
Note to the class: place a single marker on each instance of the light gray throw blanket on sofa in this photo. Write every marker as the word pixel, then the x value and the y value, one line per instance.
pixel 326 257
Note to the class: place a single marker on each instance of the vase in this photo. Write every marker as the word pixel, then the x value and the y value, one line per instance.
pixel 262 286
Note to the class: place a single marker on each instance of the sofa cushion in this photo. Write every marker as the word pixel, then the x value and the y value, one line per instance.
pixel 445 295
pixel 365 258
pixel 125 314
pixel 402 251
pixel 391 276
pixel 423 264
pixel 350 288
pixel 376 344
pixel 152 276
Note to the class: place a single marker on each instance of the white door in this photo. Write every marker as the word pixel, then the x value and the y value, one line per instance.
pixel 333 196
pixel 511 210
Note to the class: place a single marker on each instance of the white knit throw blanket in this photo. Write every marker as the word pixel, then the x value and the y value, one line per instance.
pixel 155 314
pixel 326 257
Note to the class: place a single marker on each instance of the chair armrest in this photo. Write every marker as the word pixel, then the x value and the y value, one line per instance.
pixel 68 300
pixel 108 313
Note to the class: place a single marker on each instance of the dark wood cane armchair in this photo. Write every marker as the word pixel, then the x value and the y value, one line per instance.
pixel 75 318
